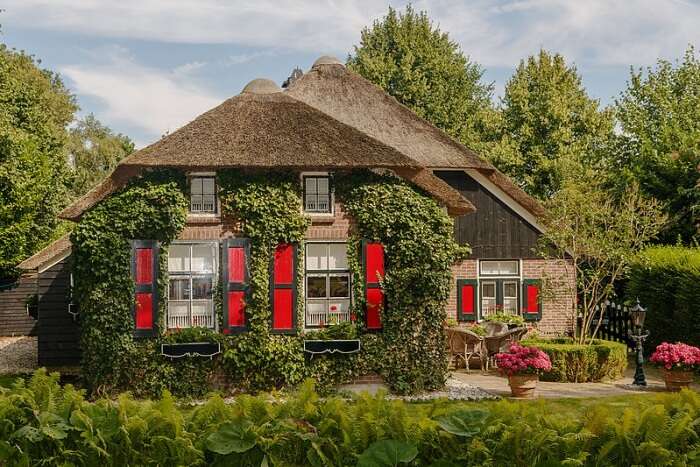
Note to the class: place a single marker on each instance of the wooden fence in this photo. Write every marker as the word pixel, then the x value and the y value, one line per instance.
pixel 616 323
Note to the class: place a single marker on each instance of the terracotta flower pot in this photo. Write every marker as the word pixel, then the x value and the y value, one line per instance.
pixel 523 385
pixel 677 379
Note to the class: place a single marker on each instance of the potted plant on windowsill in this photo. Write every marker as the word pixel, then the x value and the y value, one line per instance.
pixel 513 321
pixel 335 338
pixel 679 362
pixel 523 366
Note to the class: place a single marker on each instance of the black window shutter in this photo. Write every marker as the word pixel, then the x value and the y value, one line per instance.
pixel 467 305
pixel 532 299
pixel 235 278
pixel 144 272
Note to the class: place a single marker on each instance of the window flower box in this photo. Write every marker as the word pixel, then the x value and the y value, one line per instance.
pixel 190 349
pixel 331 346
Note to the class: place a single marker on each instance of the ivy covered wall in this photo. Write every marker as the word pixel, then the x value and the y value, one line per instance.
pixel 409 352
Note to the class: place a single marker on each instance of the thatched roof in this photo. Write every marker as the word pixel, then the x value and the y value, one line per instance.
pixel 330 118
pixel 56 250
pixel 333 89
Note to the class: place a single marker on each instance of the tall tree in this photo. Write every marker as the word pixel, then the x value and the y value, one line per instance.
pixel 420 66
pixel 659 114
pixel 548 122
pixel 35 108
pixel 94 151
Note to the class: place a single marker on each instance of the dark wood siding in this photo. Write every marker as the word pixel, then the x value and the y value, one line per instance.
pixel 494 230
pixel 14 320
pixel 59 334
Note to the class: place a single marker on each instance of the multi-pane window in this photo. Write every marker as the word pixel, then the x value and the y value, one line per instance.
pixel 203 195
pixel 327 284
pixel 499 287
pixel 317 194
pixel 192 272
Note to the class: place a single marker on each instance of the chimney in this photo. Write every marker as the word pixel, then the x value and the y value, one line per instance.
pixel 296 74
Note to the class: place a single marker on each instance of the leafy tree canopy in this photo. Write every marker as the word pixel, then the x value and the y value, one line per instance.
pixel 659 114
pixel 35 108
pixel 411 59
pixel 548 122
pixel 94 151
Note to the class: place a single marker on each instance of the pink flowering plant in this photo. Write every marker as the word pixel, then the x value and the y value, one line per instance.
pixel 520 360
pixel 676 356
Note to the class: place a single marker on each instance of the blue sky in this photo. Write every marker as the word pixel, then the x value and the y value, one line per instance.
pixel 145 67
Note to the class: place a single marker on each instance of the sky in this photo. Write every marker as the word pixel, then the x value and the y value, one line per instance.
pixel 147 67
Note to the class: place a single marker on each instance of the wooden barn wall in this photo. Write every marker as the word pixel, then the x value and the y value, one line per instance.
pixel 14 320
pixel 494 230
pixel 59 334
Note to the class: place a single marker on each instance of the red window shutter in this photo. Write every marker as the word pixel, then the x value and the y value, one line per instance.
pixel 144 311
pixel 144 266
pixel 144 271
pixel 283 289
pixel 284 264
pixel 373 260
pixel 375 302
pixel 466 300
pixel 236 285
pixel 532 308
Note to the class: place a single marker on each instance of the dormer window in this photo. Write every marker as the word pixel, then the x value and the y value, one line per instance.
pixel 203 195
pixel 317 194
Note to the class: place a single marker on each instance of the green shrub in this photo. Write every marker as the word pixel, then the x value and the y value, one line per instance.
pixel 506 318
pixel 578 363
pixel 665 280
pixel 42 423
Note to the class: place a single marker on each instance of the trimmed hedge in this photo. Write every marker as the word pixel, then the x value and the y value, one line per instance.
pixel 580 363
pixel 666 279
pixel 45 424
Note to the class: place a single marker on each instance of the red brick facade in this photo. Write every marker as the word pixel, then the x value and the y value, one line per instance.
pixel 558 290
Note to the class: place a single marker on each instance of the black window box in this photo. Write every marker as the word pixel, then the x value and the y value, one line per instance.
pixel 332 346
pixel 190 349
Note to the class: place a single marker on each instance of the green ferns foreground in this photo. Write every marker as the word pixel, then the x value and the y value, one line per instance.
pixel 42 423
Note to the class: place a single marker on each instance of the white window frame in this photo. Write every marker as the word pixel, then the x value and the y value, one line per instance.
pixel 500 280
pixel 216 212
pixel 191 275
pixel 327 273
pixel 302 181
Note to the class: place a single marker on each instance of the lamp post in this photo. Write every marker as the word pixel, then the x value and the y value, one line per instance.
pixel 638 314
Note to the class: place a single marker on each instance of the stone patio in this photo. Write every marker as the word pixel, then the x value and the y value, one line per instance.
pixel 495 384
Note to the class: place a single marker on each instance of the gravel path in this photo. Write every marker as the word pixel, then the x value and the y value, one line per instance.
pixel 18 355
pixel 455 390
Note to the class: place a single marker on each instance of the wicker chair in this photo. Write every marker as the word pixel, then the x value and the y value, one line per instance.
pixel 501 342
pixel 474 347
pixel 456 346
pixel 495 328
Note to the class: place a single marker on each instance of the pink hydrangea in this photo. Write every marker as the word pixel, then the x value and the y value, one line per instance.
pixel 682 356
pixel 521 360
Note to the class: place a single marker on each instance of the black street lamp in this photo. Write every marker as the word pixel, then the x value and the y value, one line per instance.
pixel 638 314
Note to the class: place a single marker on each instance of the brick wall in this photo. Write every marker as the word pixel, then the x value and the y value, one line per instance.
pixel 335 227
pixel 558 279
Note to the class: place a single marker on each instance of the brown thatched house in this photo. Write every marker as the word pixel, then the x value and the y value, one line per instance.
pixel 327 120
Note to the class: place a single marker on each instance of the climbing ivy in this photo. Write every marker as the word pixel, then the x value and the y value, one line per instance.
pixel 419 245
pixel 150 207
pixel 265 207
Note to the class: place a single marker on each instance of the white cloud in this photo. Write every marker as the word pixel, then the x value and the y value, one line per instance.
pixel 496 33
pixel 154 101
